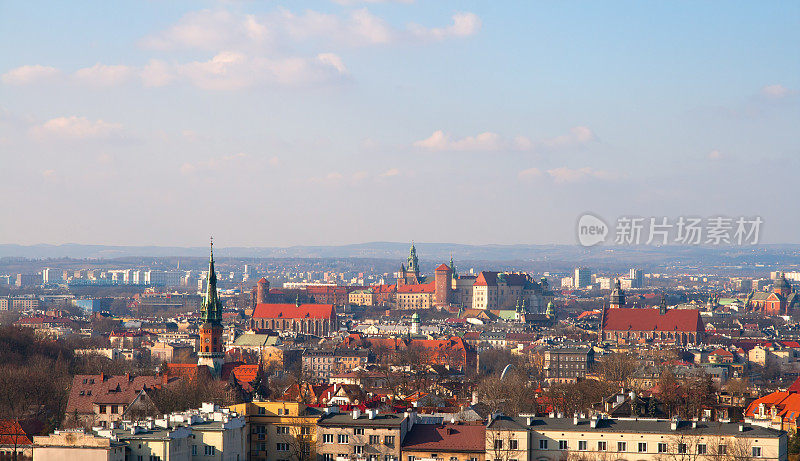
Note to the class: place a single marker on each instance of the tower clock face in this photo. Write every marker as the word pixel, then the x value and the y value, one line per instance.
pixel 206 339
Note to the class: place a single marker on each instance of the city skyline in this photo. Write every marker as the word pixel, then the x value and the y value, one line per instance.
pixel 151 123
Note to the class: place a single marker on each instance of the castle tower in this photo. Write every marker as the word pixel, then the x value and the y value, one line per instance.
pixel 262 291
pixel 443 282
pixel 662 307
pixel 413 262
pixel 617 298
pixel 212 353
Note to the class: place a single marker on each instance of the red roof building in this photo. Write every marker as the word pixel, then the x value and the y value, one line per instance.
pixel 632 326
pixel 429 441
pixel 312 319
pixel 778 410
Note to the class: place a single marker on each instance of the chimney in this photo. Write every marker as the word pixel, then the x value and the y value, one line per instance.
pixel 575 419
pixel 530 420
pixel 673 425
pixel 356 413
pixel 593 421
pixel 694 424
pixel 741 427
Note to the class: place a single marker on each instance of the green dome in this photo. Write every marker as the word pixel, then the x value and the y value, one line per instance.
pixel 415 317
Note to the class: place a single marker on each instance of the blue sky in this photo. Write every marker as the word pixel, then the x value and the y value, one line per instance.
pixel 271 123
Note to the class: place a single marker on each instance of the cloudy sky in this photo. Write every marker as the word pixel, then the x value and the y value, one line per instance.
pixel 283 123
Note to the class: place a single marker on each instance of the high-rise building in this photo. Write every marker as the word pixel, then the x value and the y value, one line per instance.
pixel 637 278
pixel 583 277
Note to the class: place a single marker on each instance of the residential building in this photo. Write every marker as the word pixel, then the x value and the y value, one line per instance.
pixel 445 442
pixel 75 444
pixel 371 435
pixel 633 439
pixel 567 364
pixel 99 400
pixel 280 430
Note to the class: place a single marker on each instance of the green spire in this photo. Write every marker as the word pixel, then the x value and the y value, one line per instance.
pixel 413 262
pixel 211 311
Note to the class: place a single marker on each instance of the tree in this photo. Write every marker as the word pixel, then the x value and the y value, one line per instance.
pixel 617 367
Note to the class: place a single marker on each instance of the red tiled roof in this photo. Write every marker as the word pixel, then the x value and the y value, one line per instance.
pixel 486 279
pixel 292 311
pixel 443 267
pixel 421 288
pixel 446 438
pixel 722 352
pixel 623 319
pixel 11 433
pixel 262 280
pixel 87 390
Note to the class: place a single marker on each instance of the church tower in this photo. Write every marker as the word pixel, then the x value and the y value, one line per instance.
pixel 617 298
pixel 211 352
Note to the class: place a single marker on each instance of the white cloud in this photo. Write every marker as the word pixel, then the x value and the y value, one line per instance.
pixel 30 74
pixel 440 141
pixel 464 25
pixel 577 136
pixel 212 164
pixel 360 176
pixel 568 175
pixel 274 161
pixel 76 128
pixel 530 173
pixel 104 75
pixel 715 155
pixel 777 91
pixel 489 141
pixel 157 73
pixel 389 173
pixel 210 30
pixel 232 71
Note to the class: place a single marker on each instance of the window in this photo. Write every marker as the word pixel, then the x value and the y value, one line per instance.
pixel 280 411
pixel 327 438
pixel 411 458
pixel 102 409
pixel 562 444
pixel 389 440
pixel 756 452
pixel 601 446
pixel 582 445
pixel 139 458
pixel 343 438
pixel 358 449
pixel 261 411
pixel 327 457
pixel 113 409
pixel 305 430
pixel 642 447
pixel 209 450
pixel 374 439
pixel 662 447
pixel 722 450
pixel 282 446
pixel 701 449
pixel 682 448
pixel 498 444
pixel 358 431
pixel 453 458
pixel 543 444
pixel 513 444
pixel 622 447
pixel 282 429
pixel 194 450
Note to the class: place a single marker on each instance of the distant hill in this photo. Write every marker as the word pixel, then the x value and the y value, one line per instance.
pixel 542 257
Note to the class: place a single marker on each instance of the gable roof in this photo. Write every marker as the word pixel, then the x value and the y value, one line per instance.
pixel 635 319
pixel 485 279
pixel 11 433
pixel 87 390
pixel 292 311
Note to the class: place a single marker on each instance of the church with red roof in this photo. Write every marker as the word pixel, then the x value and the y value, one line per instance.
pixel 311 319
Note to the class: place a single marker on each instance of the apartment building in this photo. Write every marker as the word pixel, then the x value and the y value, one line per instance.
pixel 552 439
pixel 567 364
pixel 445 442
pixel 280 430
pixel 371 436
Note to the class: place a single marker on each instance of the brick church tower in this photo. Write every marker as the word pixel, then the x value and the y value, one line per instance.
pixel 212 353
pixel 443 277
